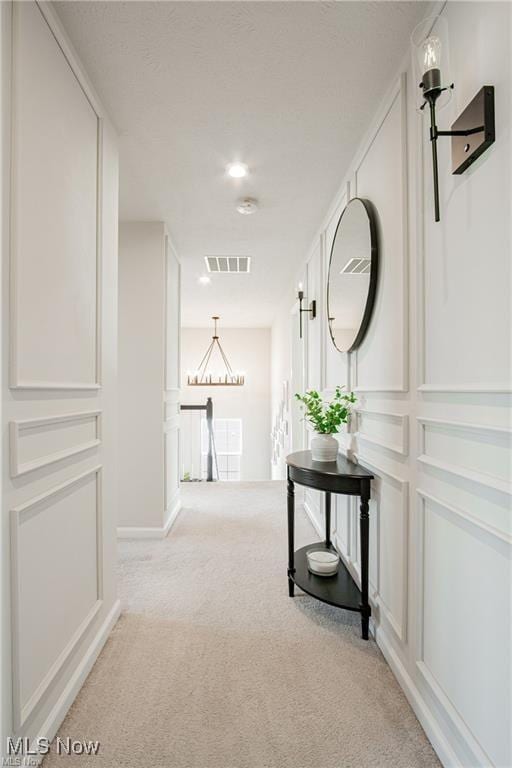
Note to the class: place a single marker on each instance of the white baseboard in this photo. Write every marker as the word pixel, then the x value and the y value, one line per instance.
pixel 174 511
pixel 54 720
pixel 135 532
pixel 428 722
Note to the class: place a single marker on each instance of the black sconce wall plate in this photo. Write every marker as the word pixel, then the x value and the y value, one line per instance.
pixel 479 113
pixel 311 310
pixel 472 133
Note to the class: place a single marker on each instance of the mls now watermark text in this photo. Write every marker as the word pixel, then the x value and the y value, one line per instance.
pixel 22 747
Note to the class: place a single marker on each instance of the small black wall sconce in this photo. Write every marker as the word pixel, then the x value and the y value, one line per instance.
pixel 476 121
pixel 311 309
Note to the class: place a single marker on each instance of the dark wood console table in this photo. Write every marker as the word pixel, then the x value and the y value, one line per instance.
pixel 344 477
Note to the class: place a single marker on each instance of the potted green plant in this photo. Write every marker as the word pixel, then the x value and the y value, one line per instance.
pixel 326 419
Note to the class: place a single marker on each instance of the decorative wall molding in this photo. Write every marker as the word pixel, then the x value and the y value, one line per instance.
pixel 401 448
pixel 171 406
pixel 384 389
pixel 58 712
pixel 434 686
pixel 438 738
pixel 18 426
pixel 313 519
pixel 15 382
pixel 171 414
pixel 481 758
pixel 399 627
pixel 23 712
pixel 344 547
pixel 485 388
pixel 61 38
pixel 461 389
pixel 170 252
pixel 399 92
pixel 464 425
pixel 481 478
pixel 172 503
pixel 326 239
pixel 478 525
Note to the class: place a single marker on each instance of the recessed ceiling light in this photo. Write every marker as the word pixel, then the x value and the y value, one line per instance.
pixel 204 280
pixel 247 205
pixel 237 170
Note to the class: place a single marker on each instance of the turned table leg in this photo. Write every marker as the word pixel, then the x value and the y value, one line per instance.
pixel 364 523
pixel 291 527
pixel 327 519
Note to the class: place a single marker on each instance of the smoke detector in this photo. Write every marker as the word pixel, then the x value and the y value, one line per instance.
pixel 247 205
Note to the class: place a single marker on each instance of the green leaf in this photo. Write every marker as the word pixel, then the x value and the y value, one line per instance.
pixel 326 418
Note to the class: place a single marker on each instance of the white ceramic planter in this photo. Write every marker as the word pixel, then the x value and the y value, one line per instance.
pixel 324 448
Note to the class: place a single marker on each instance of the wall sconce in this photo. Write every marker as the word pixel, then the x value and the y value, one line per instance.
pixel 477 120
pixel 311 309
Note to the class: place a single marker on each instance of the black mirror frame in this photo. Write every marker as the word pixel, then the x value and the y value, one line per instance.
pixel 374 272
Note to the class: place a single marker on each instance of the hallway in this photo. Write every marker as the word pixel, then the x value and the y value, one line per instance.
pixel 211 665
pixel 256 242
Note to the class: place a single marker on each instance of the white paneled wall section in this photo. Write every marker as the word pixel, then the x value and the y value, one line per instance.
pixel 59 368
pixel 433 418
pixel 149 380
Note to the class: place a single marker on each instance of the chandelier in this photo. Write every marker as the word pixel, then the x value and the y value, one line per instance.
pixel 203 378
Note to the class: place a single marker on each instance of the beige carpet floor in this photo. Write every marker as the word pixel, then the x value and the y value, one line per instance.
pixel 212 665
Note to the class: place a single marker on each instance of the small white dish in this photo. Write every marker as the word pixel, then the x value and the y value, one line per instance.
pixel 323 562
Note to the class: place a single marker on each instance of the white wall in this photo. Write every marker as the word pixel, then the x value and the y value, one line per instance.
pixel 248 350
pixel 148 379
pixel 59 369
pixel 433 381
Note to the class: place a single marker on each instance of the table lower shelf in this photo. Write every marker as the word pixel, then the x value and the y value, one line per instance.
pixel 339 590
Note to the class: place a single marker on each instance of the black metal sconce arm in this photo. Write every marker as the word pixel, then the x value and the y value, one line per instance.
pixel 311 310
pixel 469 132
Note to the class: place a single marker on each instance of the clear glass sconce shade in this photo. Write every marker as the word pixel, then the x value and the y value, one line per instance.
pixel 430 49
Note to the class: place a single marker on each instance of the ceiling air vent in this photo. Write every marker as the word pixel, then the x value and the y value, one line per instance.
pixel 356 267
pixel 233 265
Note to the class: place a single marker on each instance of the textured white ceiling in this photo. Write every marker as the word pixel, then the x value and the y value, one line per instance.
pixel 287 87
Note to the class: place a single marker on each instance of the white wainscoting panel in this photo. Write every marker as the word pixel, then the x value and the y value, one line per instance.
pixel 465 309
pixel 314 507
pixel 384 429
pixel 382 361
pixel 36 443
pixel 60 323
pixel 342 517
pixel 314 328
pixel 172 330
pixel 55 600
pixel 54 296
pixel 172 500
pixel 389 545
pixel 335 363
pixel 172 410
pixel 465 595
pixel 475 452
pixel 171 465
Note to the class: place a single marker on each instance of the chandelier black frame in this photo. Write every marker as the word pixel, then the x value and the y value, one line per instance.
pixel 203 379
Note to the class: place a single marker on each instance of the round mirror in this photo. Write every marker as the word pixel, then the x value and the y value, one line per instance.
pixel 352 280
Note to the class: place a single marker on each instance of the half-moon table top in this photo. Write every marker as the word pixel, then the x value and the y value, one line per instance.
pixel 342 467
